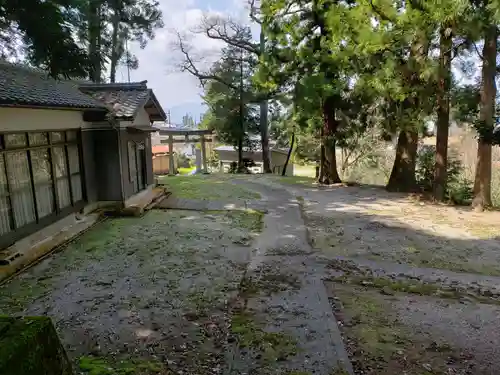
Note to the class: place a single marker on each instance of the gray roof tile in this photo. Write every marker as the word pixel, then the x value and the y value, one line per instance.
pixel 123 99
pixel 22 85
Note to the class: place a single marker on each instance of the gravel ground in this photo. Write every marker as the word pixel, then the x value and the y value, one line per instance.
pixel 154 288
pixel 369 223
pixel 473 328
pixel 414 285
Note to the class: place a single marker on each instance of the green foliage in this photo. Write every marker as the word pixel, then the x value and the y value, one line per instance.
pixel 230 114
pixel 183 161
pixel 247 164
pixel 465 103
pixel 73 38
pixel 43 29
pixel 460 191
pixel 308 147
pixel 458 188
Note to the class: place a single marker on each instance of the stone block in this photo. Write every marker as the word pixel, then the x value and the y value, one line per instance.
pixel 31 346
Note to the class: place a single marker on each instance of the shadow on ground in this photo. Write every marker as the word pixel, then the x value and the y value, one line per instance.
pixel 415 292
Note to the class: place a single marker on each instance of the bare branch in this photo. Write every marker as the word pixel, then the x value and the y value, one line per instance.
pixel 192 66
pixel 477 50
pixel 254 12
pixel 188 65
pixel 228 31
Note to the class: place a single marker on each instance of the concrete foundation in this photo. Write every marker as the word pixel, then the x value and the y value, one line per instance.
pixel 39 244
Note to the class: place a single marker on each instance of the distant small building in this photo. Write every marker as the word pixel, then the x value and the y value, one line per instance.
pixel 161 163
pixel 229 154
pixel 187 149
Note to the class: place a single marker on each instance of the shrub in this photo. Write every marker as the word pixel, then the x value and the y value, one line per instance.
pixel 458 188
pixel 247 164
pixel 183 161
pixel 460 192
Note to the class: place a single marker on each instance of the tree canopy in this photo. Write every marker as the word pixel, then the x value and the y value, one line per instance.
pixel 371 69
pixel 77 38
pixel 42 31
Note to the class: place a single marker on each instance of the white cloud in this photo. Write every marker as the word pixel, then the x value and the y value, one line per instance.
pixel 157 60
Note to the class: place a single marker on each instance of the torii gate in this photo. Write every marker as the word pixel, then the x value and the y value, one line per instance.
pixel 188 136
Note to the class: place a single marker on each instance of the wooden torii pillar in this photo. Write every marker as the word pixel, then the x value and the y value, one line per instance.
pixel 198 135
pixel 171 162
pixel 203 154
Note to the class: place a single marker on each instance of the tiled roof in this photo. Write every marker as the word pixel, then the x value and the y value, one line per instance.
pixel 124 98
pixel 22 85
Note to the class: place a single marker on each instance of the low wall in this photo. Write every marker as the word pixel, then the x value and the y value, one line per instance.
pixel 161 164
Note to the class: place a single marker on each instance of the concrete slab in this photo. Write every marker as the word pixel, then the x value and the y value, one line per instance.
pixel 173 202
pixel 34 247
pixel 141 202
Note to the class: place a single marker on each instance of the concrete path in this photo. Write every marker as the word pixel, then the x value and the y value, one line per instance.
pixel 298 305
pixel 175 203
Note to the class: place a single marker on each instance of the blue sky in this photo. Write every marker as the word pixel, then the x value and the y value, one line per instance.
pixel 178 92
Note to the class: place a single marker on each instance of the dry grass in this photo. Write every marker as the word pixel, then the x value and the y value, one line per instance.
pixel 463 145
pixel 304 170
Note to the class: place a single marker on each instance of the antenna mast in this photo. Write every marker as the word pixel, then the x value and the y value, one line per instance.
pixel 128 58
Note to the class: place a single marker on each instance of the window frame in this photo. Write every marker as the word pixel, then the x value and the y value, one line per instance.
pixel 58 212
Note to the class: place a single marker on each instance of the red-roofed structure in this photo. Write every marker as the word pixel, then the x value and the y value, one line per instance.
pixel 160 149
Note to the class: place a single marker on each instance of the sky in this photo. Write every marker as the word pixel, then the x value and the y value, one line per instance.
pixel 176 91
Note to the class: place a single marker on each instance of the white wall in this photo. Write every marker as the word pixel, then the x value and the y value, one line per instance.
pixel 30 119
pixel 277 158
pixel 142 118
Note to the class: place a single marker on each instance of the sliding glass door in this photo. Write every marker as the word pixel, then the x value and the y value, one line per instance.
pixel 40 179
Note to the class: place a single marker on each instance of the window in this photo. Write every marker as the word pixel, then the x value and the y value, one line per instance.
pixel 5 215
pixel 132 161
pixel 19 183
pixel 39 177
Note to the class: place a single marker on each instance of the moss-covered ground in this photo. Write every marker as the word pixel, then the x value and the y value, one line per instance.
pixel 380 344
pixel 133 292
pixel 214 187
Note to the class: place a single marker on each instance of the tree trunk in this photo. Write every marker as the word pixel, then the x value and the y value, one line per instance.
pixel 482 180
pixel 443 113
pixel 329 173
pixel 292 142
pixel 242 119
pixel 94 35
pixel 403 171
pixel 328 168
pixel 322 163
pixel 264 130
pixel 115 54
pixel 264 138
pixel 240 155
